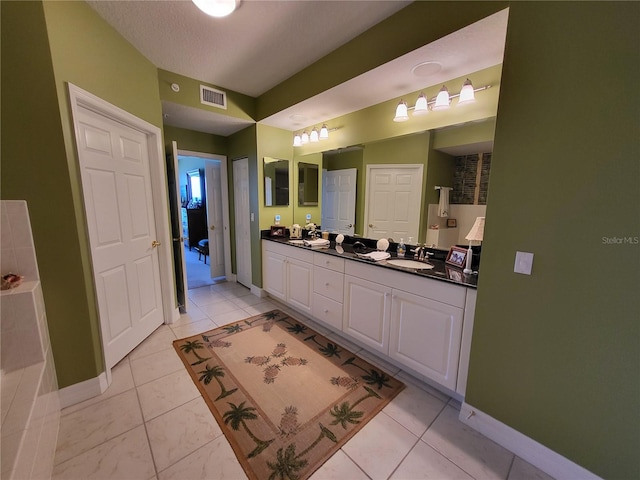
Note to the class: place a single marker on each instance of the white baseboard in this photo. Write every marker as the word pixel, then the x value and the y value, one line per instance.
pixel 258 292
pixel 535 453
pixel 231 277
pixel 79 392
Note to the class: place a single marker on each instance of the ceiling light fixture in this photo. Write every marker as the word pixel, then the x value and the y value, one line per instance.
pixel 217 8
pixel 316 135
pixel 441 102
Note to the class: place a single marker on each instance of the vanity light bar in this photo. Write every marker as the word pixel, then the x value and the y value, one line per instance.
pixel 316 135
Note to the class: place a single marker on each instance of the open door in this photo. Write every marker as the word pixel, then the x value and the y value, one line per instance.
pixel 175 205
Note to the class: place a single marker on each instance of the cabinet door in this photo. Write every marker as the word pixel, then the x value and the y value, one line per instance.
pixel 425 336
pixel 299 284
pixel 366 312
pixel 274 274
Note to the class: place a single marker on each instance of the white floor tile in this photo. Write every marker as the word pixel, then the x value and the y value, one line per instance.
pixel 181 431
pixel 151 367
pixel 89 427
pixel 339 466
pixel 121 381
pixel 260 308
pixel 194 328
pixel 380 446
pixel 166 393
pixel 159 340
pixel 468 449
pixel 215 460
pixel 219 308
pixel 193 315
pixel 246 300
pixel 414 409
pixel 424 463
pixel 203 299
pixel 229 317
pixel 126 456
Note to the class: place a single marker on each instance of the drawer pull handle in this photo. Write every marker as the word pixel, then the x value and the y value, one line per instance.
pixel 326 284
pixel 326 311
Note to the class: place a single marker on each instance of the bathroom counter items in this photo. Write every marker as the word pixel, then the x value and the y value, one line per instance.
pixel 441 270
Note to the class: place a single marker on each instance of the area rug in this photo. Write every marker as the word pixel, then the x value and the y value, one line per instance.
pixel 286 397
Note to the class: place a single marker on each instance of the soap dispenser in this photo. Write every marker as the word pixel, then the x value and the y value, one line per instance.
pixel 401 249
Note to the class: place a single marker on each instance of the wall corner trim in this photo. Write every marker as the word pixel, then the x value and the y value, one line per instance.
pixel 79 392
pixel 526 448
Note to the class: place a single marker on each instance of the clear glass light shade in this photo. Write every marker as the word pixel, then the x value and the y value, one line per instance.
pixel 324 133
pixel 217 8
pixel 467 94
pixel 297 141
pixel 305 137
pixel 401 112
pixel 442 100
pixel 421 107
pixel 314 136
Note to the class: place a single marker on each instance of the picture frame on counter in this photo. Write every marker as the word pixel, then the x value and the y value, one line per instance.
pixel 457 257
pixel 279 231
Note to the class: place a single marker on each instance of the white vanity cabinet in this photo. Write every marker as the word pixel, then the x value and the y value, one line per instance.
pixel 328 289
pixel 288 274
pixel 420 323
pixel 425 336
pixel 367 307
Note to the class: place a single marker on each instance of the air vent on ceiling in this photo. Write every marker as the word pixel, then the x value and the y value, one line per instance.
pixel 213 97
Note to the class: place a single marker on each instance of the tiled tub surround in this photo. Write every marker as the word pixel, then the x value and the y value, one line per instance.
pixel 30 404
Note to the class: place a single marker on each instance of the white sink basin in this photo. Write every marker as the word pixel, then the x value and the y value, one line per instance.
pixel 398 262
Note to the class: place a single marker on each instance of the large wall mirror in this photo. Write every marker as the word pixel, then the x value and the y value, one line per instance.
pixel 307 184
pixel 276 182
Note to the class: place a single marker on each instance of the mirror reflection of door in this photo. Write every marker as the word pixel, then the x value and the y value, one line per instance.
pixel 276 182
pixel 339 201
pixel 393 201
pixel 307 184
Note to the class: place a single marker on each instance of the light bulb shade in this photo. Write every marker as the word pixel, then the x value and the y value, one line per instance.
pixel 477 231
pixel 467 94
pixel 324 133
pixel 401 112
pixel 297 141
pixel 442 100
pixel 305 137
pixel 421 107
pixel 217 8
pixel 314 135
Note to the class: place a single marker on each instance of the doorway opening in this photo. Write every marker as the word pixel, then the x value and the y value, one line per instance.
pixel 201 199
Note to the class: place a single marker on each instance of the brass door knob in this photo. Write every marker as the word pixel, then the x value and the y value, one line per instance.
pixel 155 244
pixel 371 225
pixel 350 225
pixel 212 227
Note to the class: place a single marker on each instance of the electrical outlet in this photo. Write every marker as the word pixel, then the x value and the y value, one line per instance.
pixel 277 218
pixel 524 263
pixel 308 217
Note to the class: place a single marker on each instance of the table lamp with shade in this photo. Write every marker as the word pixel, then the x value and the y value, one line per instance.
pixel 475 235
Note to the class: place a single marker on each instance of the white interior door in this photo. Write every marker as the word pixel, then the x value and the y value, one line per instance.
pixel 243 224
pixel 116 180
pixel 393 201
pixel 179 240
pixel 339 201
pixel 215 221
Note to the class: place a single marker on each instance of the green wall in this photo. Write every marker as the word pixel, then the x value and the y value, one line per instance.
pixel 555 355
pixel 194 141
pixel 34 168
pixel 54 43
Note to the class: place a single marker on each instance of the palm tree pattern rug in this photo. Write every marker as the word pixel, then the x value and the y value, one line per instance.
pixel 286 397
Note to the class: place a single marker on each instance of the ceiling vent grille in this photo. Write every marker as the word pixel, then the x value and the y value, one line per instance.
pixel 211 96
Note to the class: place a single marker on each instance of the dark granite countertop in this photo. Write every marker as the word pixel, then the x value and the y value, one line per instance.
pixel 441 270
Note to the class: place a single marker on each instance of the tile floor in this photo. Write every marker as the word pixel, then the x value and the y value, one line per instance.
pixel 152 423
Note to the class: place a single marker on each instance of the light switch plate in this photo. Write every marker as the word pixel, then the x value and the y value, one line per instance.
pixel 524 263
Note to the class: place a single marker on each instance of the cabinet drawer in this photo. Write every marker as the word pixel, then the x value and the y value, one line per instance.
pixel 289 251
pixel 328 283
pixel 328 311
pixel 328 261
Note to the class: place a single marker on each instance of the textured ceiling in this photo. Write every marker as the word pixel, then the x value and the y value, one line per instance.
pixel 265 42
